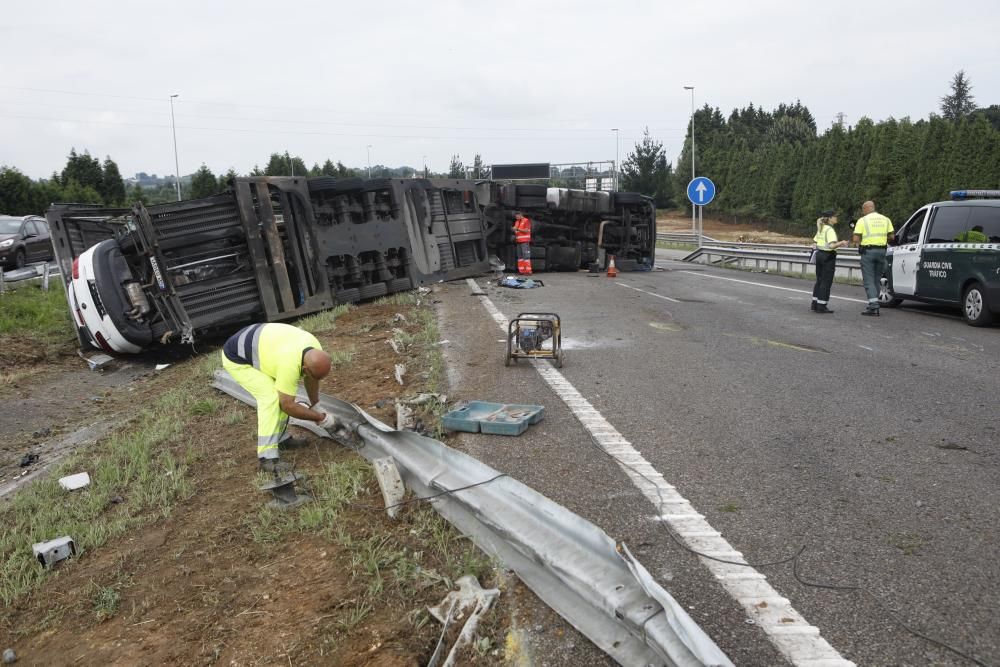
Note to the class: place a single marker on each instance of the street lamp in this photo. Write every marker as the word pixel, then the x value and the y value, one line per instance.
pixel 177 169
pixel 691 88
pixel 425 165
pixel 617 166
pixel 369 160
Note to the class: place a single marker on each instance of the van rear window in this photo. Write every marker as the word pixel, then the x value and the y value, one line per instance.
pixel 949 222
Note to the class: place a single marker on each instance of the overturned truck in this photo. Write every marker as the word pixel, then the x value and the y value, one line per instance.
pixel 572 229
pixel 277 248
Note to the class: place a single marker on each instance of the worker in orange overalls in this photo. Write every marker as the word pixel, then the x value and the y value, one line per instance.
pixel 522 236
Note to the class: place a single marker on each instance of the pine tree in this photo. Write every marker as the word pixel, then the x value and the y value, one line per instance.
pixel 456 169
pixel 960 103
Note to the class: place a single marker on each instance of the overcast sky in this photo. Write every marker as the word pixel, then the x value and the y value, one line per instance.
pixel 513 81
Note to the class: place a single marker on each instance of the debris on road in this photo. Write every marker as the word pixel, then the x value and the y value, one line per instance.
pixel 28 459
pixel 9 656
pixel 400 370
pixel 95 360
pixel 390 483
pixel 519 283
pixel 455 605
pixel 74 482
pixel 51 552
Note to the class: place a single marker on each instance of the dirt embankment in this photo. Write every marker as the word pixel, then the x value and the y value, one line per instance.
pixel 221 580
pixel 723 231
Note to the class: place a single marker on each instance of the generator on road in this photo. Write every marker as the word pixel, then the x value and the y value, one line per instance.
pixel 534 336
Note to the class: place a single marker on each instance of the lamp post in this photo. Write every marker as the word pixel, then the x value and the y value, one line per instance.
pixel 691 88
pixel 177 169
pixel 617 166
pixel 369 160
pixel 425 165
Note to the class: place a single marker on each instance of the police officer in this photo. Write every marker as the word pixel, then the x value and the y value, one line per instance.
pixel 872 233
pixel 826 260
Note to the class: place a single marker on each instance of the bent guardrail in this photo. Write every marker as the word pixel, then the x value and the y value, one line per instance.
pixel 765 259
pixel 570 563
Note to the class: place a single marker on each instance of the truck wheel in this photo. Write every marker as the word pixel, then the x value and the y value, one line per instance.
pixel 532 191
pixel 974 307
pixel 626 198
pixel 885 297
pixel 373 290
pixel 349 295
pixel 399 285
pixel 20 259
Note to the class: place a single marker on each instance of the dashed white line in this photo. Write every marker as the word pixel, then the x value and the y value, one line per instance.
pixel 798 641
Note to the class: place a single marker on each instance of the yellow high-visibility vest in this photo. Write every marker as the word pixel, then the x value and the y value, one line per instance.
pixel 874 230
pixel 825 238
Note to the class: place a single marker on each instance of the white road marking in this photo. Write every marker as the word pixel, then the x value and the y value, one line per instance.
pixel 787 289
pixel 658 296
pixel 795 638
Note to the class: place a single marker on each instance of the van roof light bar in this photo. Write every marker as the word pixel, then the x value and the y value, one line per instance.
pixel 959 195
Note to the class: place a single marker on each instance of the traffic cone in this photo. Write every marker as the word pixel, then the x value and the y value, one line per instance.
pixel 612 269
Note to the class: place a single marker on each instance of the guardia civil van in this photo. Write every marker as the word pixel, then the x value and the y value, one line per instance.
pixel 949 253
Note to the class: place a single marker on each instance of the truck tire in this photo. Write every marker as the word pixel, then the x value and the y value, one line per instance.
pixel 539 252
pixel 538 265
pixel 528 202
pixel 627 198
pixel 974 308
pixel 350 295
pixel 399 285
pixel 531 191
pixel 373 290
pixel 321 183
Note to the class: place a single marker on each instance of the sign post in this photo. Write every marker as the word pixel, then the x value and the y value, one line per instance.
pixel 701 192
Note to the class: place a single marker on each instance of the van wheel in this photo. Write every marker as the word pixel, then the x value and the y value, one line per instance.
pixel 885 297
pixel 974 307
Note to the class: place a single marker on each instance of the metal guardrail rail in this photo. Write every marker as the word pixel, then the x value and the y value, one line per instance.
pixel 764 257
pixel 42 271
pixel 571 564
pixel 682 237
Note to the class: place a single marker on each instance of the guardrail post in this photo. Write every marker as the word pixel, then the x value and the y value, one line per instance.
pixel 45 277
pixel 3 287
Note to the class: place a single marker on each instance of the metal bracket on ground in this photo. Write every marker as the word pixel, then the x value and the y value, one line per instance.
pixel 390 483
pixel 51 552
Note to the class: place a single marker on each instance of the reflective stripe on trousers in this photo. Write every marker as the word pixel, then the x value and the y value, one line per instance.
pixel 271 421
pixel 524 258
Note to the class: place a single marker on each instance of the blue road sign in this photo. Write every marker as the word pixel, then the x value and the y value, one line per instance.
pixel 701 191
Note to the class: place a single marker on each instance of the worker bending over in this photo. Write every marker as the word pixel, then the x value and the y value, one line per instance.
pixel 268 360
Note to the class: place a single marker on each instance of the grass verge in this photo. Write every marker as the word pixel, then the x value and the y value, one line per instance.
pixel 138 474
pixel 31 311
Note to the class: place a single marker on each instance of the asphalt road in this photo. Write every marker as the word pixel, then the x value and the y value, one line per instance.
pixel 871 442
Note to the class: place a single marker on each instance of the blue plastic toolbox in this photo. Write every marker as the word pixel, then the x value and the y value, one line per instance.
pixel 495 418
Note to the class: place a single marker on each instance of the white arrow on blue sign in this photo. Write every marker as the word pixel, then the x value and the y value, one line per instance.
pixel 701 191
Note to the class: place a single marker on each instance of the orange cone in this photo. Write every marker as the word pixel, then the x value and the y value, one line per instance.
pixel 612 269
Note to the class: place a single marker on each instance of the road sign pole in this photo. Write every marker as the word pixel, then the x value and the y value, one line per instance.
pixel 701 226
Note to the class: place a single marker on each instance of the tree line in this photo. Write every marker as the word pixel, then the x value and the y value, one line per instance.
pixel 772 166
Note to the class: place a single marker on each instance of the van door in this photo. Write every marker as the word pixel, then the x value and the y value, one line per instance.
pixel 938 277
pixel 906 255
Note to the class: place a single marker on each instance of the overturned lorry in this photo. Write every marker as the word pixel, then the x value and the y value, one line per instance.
pixel 277 248
pixel 571 229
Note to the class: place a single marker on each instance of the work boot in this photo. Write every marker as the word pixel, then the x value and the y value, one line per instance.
pixel 821 308
pixel 813 306
pixel 870 312
pixel 276 466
